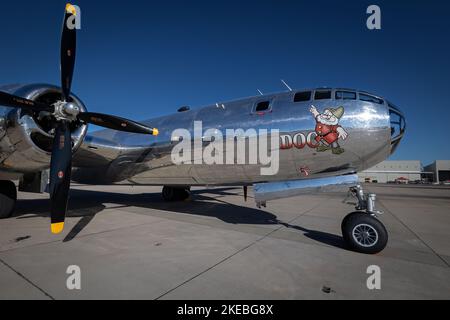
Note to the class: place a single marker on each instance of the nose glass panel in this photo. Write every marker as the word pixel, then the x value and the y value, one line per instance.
pixel 398 126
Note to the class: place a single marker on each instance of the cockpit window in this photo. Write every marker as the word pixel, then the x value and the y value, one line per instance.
pixel 370 98
pixel 321 95
pixel 302 96
pixel 262 106
pixel 345 95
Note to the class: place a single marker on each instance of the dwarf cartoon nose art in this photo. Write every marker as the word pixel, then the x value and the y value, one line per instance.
pixel 328 130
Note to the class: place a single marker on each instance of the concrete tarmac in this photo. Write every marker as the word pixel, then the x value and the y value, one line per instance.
pixel 129 244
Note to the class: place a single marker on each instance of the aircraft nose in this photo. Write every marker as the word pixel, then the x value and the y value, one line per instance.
pixel 398 126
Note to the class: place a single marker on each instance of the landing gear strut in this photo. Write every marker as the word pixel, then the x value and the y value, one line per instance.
pixel 175 193
pixel 8 197
pixel 361 230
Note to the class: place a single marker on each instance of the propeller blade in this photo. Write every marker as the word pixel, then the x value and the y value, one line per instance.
pixel 12 101
pixel 60 171
pixel 116 123
pixel 68 51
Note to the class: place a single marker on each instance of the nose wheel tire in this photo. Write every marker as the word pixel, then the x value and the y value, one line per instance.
pixel 8 197
pixel 364 233
pixel 171 194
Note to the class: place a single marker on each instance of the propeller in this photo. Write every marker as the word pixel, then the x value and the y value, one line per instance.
pixel 60 170
pixel 10 100
pixel 65 112
pixel 68 50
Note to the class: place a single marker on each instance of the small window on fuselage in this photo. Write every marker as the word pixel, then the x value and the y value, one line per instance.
pixel 322 95
pixel 370 98
pixel 345 95
pixel 262 106
pixel 302 96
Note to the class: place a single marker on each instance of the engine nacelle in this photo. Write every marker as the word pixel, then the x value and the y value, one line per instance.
pixel 26 138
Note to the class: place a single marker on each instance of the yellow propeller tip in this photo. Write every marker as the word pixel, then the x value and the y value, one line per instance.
pixel 57 227
pixel 71 9
pixel 155 131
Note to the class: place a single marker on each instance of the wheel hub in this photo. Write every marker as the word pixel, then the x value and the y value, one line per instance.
pixel 365 235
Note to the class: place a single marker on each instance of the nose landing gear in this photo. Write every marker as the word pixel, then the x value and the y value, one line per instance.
pixel 361 230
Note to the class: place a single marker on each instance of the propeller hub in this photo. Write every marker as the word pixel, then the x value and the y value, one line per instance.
pixel 66 110
pixel 71 109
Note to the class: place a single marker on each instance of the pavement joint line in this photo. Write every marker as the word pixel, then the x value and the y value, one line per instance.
pixel 267 235
pixel 212 226
pixel 120 228
pixel 26 279
pixel 235 253
pixel 414 233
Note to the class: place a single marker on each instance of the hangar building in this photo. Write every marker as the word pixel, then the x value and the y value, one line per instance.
pixel 404 170
pixel 440 170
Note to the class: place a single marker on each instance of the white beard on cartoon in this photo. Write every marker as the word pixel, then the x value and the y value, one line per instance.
pixel 332 121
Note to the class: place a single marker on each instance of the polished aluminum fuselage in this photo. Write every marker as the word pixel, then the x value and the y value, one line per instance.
pixel 109 156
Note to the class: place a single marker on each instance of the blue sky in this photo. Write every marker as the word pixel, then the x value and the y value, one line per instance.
pixel 141 59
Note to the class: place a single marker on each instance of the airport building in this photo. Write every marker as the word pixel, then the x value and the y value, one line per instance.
pixel 440 170
pixel 403 171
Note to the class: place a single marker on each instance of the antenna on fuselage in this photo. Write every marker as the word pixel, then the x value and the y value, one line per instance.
pixel 260 92
pixel 287 86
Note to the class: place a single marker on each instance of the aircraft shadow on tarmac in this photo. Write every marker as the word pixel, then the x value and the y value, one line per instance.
pixel 86 204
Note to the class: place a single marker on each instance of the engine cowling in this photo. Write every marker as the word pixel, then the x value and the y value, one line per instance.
pixel 27 136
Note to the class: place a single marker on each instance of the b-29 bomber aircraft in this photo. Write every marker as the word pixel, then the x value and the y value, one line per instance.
pixel 326 136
